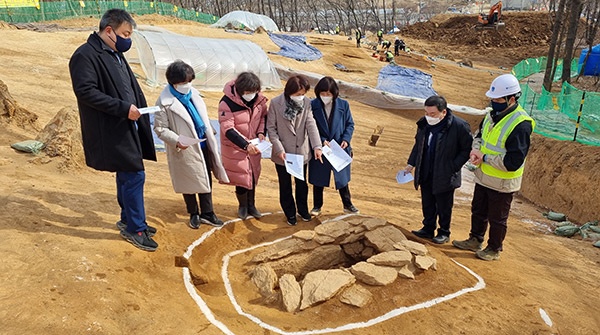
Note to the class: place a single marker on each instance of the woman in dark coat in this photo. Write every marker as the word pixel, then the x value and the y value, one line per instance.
pixel 334 121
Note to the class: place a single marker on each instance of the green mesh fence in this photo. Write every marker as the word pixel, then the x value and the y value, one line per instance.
pixel 557 115
pixel 24 11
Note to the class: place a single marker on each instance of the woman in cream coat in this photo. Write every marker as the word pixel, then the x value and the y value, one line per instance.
pixel 292 130
pixel 183 116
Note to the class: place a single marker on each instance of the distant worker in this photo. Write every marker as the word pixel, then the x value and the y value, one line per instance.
pixel 337 29
pixel 399 45
pixel 386 45
pixel 358 37
pixel 389 57
pixel 499 149
pixel 379 36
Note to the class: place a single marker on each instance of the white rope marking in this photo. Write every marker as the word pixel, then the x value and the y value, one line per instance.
pixel 545 317
pixel 224 274
pixel 187 280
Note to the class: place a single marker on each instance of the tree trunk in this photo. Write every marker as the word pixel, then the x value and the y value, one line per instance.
pixel 572 25
pixel 553 45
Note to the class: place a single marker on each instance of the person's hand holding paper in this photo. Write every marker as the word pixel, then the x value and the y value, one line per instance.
pixel 184 142
pixel 403 177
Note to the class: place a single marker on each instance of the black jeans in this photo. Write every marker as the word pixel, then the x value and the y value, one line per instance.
pixel 318 196
pixel 436 207
pixel 206 204
pixel 490 206
pixel 286 198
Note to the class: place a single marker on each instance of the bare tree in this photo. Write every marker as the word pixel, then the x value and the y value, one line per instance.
pixel 554 45
pixel 576 6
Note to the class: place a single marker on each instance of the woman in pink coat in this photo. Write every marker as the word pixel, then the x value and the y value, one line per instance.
pixel 242 113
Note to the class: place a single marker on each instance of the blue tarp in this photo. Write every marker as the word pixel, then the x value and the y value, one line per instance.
pixel 407 82
pixel 592 66
pixel 293 46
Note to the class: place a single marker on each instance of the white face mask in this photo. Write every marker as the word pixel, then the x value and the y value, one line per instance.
pixel 184 88
pixel 326 99
pixel 432 120
pixel 248 97
pixel 298 98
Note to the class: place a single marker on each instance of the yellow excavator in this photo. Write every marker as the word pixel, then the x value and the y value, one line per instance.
pixel 492 19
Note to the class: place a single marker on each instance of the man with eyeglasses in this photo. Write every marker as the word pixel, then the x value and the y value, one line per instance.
pixel 116 136
pixel 442 145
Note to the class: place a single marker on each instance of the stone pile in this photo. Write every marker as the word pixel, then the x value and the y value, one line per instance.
pixel 340 258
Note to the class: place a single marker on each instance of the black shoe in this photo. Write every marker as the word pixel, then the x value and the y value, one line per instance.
pixel 195 221
pixel 123 226
pixel 140 240
pixel 292 221
pixel 422 233
pixel 316 211
pixel 351 209
pixel 306 217
pixel 211 219
pixel 254 212
pixel 441 239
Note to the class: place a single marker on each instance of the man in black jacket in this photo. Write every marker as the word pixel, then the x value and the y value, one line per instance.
pixel 116 136
pixel 442 146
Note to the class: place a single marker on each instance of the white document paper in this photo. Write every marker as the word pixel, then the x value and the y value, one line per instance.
pixel 402 178
pixel 338 158
pixel 263 146
pixel 187 141
pixel 294 165
pixel 148 110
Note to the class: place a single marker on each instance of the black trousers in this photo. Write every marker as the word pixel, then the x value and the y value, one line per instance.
pixel 436 207
pixel 318 196
pixel 493 207
pixel 286 198
pixel 205 199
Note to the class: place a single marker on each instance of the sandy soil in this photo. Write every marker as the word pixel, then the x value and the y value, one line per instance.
pixel 65 268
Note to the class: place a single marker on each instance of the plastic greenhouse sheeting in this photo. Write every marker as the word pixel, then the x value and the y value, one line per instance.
pixel 245 20
pixel 215 62
pixel 370 96
pixel 295 47
pixel 592 65
pixel 407 82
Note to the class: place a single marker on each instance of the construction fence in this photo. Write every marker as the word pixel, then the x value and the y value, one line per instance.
pixel 571 114
pixel 25 11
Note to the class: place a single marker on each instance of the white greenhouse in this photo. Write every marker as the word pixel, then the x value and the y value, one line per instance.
pixel 241 20
pixel 215 61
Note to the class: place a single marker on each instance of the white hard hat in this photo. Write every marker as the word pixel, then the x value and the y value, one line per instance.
pixel 503 86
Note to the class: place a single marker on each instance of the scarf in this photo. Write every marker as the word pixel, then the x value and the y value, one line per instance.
pixel 292 110
pixel 186 101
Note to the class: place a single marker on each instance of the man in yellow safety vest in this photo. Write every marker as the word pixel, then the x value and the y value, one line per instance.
pixel 499 150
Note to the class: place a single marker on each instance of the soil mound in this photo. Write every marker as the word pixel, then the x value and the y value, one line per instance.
pixel 62 137
pixel 522 31
pixel 12 113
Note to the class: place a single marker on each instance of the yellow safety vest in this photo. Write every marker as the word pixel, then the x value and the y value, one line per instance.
pixel 494 140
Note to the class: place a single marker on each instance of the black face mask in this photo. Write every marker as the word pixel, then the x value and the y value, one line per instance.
pixel 121 44
pixel 498 107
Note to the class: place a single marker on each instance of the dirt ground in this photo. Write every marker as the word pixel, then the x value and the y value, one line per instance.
pixel 66 270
